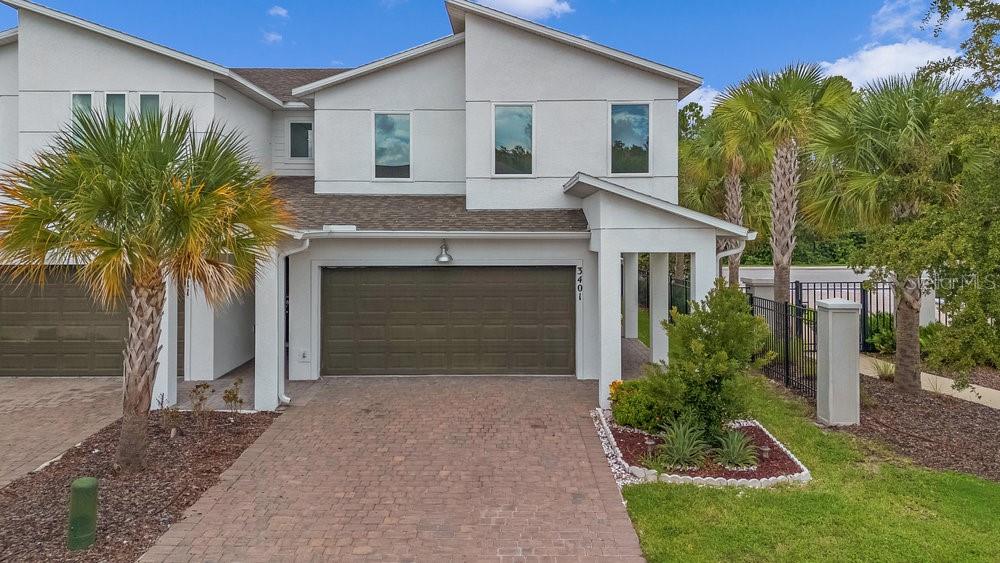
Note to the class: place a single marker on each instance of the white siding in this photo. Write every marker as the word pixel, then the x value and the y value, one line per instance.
pixel 8 104
pixel 237 112
pixel 572 91
pixel 284 164
pixel 432 87
pixel 57 59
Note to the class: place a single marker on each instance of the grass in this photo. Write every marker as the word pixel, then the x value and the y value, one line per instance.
pixel 644 325
pixel 862 505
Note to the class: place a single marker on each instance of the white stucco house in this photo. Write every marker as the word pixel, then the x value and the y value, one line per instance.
pixel 461 208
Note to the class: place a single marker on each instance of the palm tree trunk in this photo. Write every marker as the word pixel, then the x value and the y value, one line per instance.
pixel 908 335
pixel 784 212
pixel 678 265
pixel 142 350
pixel 733 212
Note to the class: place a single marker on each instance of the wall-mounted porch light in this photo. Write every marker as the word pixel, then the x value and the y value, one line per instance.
pixel 444 257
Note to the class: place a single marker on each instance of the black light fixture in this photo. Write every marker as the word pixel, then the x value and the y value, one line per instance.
pixel 444 257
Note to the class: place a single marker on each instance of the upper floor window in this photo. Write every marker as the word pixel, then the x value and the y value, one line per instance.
pixel 81 103
pixel 149 104
pixel 629 138
pixel 392 145
pixel 115 104
pixel 300 140
pixel 513 138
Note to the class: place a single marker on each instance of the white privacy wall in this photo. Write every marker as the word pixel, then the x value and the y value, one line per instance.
pixel 8 104
pixel 571 90
pixel 432 87
pixel 281 159
pixel 304 302
pixel 57 59
pixel 236 111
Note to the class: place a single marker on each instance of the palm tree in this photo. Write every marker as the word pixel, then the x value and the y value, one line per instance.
pixel 139 201
pixel 885 166
pixel 781 110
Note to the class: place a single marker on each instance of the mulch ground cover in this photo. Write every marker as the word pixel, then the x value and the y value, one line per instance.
pixel 133 509
pixel 772 461
pixel 933 430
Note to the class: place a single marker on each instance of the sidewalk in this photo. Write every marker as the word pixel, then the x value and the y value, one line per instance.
pixel 943 385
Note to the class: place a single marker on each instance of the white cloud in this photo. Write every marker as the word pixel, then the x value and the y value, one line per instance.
pixel 271 37
pixel 704 96
pixel 278 12
pixel 879 61
pixel 531 9
pixel 897 17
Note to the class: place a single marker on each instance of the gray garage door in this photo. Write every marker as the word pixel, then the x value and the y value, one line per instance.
pixel 448 320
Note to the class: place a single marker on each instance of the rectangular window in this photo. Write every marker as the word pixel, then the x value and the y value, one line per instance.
pixel 513 139
pixel 300 140
pixel 392 145
pixel 630 138
pixel 116 106
pixel 149 104
pixel 81 103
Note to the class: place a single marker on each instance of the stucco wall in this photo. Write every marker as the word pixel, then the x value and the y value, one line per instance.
pixel 281 159
pixel 432 87
pixel 234 333
pixel 8 104
pixel 236 111
pixel 304 267
pixel 57 59
pixel 572 91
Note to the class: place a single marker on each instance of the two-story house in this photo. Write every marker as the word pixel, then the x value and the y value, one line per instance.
pixel 461 208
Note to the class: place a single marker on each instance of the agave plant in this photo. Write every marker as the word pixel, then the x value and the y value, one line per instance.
pixel 735 450
pixel 684 445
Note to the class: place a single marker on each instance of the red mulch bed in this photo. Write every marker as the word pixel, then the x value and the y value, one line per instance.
pixel 933 430
pixel 133 510
pixel 634 449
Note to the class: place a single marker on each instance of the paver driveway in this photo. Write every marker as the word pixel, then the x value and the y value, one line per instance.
pixel 42 417
pixel 424 469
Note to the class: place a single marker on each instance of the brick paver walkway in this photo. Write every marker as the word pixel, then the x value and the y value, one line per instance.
pixel 417 469
pixel 42 417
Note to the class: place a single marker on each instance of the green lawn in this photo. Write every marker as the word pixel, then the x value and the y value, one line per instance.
pixel 862 505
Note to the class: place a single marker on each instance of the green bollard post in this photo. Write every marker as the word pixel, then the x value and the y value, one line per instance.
pixel 82 513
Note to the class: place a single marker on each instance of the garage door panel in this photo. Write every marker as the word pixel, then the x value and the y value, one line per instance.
pixel 448 320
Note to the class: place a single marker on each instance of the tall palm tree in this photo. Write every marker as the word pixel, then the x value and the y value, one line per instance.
pixel 884 165
pixel 139 201
pixel 781 110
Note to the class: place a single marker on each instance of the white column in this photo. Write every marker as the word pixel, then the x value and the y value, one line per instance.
pixel 760 287
pixel 838 390
pixel 928 305
pixel 609 318
pixel 165 384
pixel 267 339
pixel 631 282
pixel 659 305
pixel 704 270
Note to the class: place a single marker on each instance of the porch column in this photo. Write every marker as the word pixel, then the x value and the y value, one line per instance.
pixel 609 316
pixel 659 305
pixel 268 344
pixel 704 270
pixel 165 383
pixel 631 282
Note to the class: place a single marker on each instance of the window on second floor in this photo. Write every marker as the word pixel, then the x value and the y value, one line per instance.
pixel 392 145
pixel 300 140
pixel 629 138
pixel 115 105
pixel 513 139
pixel 81 103
pixel 149 104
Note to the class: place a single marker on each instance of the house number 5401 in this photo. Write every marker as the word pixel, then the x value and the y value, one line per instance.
pixel 579 283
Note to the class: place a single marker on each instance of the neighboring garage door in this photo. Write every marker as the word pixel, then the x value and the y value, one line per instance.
pixel 57 329
pixel 448 320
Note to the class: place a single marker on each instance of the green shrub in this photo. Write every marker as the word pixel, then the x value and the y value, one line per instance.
pixel 683 445
pixel 882 332
pixel 646 403
pixel 735 450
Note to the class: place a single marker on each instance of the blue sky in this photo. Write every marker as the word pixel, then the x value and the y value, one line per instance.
pixel 720 40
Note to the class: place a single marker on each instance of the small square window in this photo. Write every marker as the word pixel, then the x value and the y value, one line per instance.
pixel 116 106
pixel 149 104
pixel 301 140
pixel 392 145
pixel 81 103
pixel 629 138
pixel 513 140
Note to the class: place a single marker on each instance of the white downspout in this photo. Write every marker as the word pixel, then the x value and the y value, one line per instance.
pixel 282 397
pixel 727 253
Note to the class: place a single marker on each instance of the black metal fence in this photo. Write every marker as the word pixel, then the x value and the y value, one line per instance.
pixel 877 301
pixel 792 342
pixel 680 293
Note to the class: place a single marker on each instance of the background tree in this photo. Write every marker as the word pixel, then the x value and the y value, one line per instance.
pixel 137 202
pixel 888 163
pixel 980 52
pixel 690 119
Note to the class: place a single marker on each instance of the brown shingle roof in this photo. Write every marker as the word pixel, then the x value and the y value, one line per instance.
pixel 279 82
pixel 414 213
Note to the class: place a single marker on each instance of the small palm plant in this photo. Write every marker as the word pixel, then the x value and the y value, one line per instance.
pixel 140 201
pixel 683 445
pixel 735 450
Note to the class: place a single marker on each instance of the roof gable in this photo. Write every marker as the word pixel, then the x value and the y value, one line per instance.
pixel 8 36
